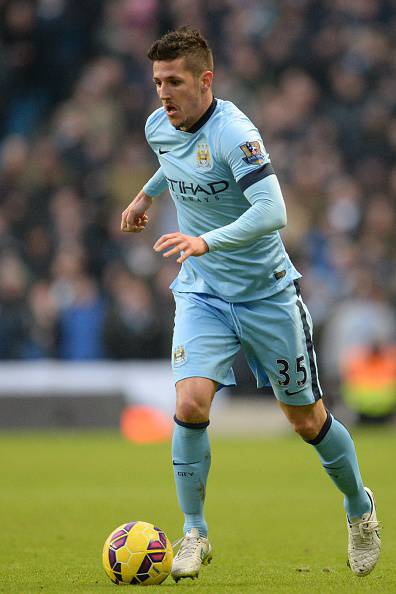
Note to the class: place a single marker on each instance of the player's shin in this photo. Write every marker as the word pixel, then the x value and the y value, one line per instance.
pixel 191 463
pixel 337 453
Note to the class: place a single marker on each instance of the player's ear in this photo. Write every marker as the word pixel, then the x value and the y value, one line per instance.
pixel 206 80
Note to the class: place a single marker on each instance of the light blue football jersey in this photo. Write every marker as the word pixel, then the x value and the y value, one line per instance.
pixel 207 171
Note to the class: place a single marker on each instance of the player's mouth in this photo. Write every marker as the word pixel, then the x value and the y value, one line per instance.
pixel 170 109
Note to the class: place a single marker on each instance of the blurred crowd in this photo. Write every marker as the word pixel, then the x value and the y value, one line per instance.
pixel 317 77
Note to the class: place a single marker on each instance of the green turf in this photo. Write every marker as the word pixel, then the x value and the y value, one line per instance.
pixel 276 521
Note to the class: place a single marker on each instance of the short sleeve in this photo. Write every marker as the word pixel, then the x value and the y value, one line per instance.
pixel 243 150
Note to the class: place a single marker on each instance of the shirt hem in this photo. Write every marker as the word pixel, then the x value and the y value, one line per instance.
pixel 277 288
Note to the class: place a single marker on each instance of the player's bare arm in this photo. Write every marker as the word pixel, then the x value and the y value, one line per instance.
pixel 134 218
pixel 190 246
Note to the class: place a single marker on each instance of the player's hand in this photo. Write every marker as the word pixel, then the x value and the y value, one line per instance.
pixel 190 246
pixel 134 218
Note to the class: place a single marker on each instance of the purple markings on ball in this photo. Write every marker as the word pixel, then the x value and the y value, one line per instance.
pixel 154 544
pixel 157 529
pixel 128 526
pixel 135 581
pixel 117 534
pixel 144 566
pixel 143 577
pixel 162 538
pixel 112 557
pixel 156 557
pixel 117 544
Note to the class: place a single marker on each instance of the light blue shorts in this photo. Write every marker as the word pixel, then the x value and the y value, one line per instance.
pixel 275 334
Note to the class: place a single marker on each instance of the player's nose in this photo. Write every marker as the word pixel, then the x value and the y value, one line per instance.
pixel 164 92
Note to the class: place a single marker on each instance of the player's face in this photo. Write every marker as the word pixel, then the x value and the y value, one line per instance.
pixel 185 97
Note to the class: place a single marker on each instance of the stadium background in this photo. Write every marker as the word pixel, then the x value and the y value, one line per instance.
pixel 86 315
pixel 319 80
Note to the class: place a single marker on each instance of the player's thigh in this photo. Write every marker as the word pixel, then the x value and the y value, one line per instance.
pixel 204 340
pixel 279 341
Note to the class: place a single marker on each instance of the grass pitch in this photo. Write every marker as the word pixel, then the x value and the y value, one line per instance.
pixel 276 522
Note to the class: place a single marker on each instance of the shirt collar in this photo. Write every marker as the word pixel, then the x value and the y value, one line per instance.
pixel 203 119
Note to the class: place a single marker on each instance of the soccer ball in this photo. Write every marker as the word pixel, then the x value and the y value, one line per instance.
pixel 137 553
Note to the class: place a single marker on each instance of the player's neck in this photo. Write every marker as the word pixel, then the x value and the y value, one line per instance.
pixel 205 114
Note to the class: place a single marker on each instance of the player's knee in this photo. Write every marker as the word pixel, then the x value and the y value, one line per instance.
pixel 192 406
pixel 306 427
pixel 194 397
pixel 307 421
pixel 191 410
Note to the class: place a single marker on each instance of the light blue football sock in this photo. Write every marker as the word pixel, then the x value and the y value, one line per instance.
pixel 337 453
pixel 191 463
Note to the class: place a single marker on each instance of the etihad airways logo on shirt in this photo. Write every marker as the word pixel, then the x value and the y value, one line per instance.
pixel 198 190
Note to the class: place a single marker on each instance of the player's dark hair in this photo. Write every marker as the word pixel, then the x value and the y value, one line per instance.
pixel 186 42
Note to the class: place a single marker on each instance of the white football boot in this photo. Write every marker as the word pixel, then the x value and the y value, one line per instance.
pixel 194 551
pixel 364 543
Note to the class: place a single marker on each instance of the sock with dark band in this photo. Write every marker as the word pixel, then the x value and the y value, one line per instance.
pixel 337 453
pixel 191 463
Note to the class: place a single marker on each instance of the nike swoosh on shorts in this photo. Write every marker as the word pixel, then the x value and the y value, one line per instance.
pixel 296 392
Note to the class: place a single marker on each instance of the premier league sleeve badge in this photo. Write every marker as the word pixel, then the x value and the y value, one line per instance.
pixel 253 152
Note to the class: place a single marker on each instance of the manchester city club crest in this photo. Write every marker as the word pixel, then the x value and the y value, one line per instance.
pixel 204 160
pixel 179 355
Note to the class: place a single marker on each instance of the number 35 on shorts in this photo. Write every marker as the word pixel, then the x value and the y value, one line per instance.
pixel 287 368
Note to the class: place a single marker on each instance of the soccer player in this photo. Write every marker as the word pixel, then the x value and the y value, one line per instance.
pixel 236 288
